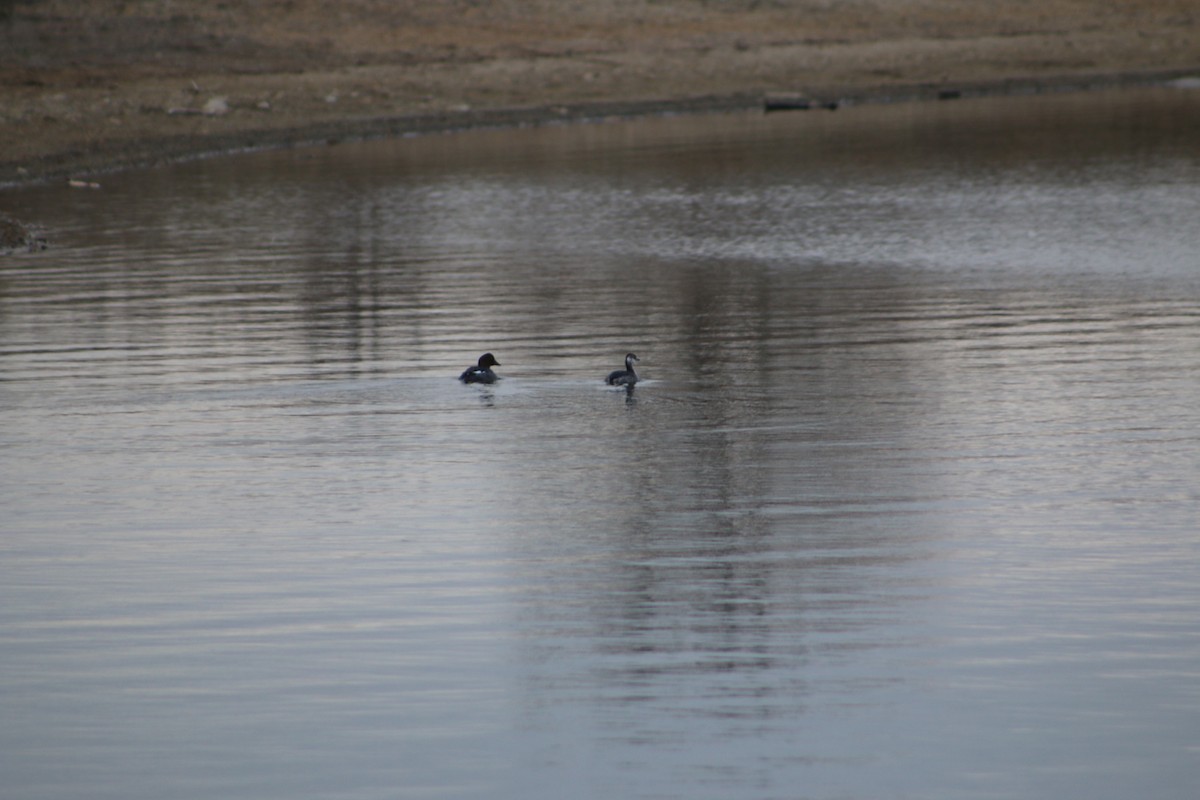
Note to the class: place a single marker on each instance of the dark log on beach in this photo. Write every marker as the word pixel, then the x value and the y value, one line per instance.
pixel 786 102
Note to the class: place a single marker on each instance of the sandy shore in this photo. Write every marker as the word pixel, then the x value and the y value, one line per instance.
pixel 116 83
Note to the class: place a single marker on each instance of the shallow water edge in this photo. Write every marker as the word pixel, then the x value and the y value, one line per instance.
pixel 119 156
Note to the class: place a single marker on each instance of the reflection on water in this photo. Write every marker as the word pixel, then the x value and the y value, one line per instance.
pixel 904 504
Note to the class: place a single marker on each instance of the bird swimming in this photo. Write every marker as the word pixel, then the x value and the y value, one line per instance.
pixel 481 372
pixel 624 377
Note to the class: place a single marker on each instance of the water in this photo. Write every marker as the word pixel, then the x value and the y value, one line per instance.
pixel 905 505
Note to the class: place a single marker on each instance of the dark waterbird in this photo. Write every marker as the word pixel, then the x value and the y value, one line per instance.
pixel 624 377
pixel 481 372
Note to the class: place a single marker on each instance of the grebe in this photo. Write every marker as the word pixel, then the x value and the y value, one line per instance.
pixel 624 377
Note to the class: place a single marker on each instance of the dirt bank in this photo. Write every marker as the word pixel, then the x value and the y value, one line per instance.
pixel 112 83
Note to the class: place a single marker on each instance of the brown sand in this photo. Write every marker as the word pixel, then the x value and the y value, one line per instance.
pixel 112 83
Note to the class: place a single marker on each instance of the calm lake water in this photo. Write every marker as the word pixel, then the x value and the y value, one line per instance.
pixel 906 505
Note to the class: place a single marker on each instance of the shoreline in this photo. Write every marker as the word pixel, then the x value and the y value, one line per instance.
pixel 94 88
pixel 148 152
